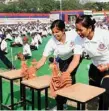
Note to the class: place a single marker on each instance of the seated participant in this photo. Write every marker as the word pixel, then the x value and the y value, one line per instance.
pixel 26 48
pixel 17 41
pixel 34 43
pixel 3 46
pixel 9 36
pixel 39 38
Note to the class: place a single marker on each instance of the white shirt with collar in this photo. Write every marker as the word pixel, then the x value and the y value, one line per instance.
pixel 62 50
pixel 97 48
pixel 78 49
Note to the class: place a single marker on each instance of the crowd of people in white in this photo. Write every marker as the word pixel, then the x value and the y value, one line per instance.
pixel 29 36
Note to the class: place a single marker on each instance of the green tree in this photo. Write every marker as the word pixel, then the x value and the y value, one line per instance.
pixel 90 5
pixel 71 5
pixel 46 5
pixel 2 7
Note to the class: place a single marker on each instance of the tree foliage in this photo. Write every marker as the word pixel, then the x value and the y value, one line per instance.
pixel 96 6
pixel 71 5
pixel 50 5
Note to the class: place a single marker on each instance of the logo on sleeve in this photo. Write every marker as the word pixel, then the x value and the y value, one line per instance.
pixel 101 47
pixel 71 44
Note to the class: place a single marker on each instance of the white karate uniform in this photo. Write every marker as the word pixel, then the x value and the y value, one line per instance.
pixel 34 42
pixel 27 50
pixel 8 36
pixel 18 40
pixel 4 46
pixel 39 38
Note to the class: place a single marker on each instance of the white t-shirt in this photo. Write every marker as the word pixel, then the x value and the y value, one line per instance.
pixel 97 48
pixel 62 50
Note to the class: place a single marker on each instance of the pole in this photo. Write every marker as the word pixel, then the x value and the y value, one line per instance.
pixel 61 8
pixel 12 56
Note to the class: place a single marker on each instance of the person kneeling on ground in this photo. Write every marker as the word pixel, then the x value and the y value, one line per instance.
pixel 26 48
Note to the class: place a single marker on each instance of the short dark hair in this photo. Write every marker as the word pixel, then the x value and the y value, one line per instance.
pixel 86 21
pixel 59 24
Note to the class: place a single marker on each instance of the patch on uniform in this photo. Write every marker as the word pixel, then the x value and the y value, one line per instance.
pixel 71 44
pixel 101 47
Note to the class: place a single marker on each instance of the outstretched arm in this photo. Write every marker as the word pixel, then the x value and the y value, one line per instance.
pixel 41 62
pixel 74 63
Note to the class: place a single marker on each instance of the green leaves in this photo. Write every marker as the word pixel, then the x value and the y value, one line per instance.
pixel 96 6
pixel 46 6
